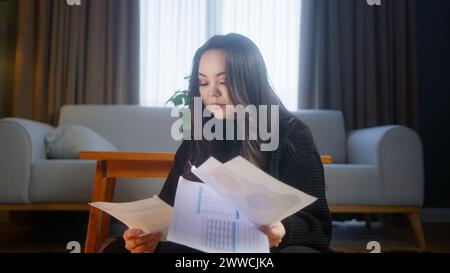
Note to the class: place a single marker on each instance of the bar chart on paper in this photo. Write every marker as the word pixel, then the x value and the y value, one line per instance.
pixel 220 234
pixel 214 224
pixel 211 204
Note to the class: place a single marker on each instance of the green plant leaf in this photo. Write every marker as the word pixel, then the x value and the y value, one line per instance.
pixel 180 97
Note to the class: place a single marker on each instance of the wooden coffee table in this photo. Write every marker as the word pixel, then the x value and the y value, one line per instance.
pixel 112 165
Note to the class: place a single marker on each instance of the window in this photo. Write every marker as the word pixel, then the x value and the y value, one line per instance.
pixel 172 30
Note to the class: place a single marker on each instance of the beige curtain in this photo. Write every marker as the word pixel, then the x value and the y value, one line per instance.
pixel 86 54
pixel 8 31
pixel 360 59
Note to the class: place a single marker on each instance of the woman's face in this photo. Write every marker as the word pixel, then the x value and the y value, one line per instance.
pixel 212 82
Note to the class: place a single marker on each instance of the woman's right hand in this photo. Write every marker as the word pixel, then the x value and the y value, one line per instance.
pixel 144 244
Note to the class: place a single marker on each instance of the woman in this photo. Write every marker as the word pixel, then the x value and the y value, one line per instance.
pixel 230 70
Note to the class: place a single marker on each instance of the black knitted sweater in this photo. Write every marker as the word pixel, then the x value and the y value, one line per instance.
pixel 296 162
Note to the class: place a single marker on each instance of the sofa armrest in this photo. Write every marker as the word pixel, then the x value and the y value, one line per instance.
pixel 21 143
pixel 397 152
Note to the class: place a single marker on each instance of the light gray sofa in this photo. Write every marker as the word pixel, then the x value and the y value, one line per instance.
pixel 374 170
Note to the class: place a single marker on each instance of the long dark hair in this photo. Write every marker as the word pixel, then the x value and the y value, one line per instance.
pixel 247 82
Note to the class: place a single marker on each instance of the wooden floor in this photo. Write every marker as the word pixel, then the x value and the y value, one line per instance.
pixel 52 233
pixel 352 237
pixel 47 232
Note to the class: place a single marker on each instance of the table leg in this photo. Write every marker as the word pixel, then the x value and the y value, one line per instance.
pixel 103 190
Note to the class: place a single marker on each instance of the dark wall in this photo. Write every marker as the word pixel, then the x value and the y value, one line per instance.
pixel 433 32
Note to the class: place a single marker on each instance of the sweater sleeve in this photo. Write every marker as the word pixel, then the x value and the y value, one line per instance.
pixel 311 226
pixel 169 189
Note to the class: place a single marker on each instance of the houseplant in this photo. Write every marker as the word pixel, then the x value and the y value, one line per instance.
pixel 181 100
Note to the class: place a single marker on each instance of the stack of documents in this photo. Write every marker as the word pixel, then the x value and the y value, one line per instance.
pixel 224 214
pixel 221 215
pixel 205 221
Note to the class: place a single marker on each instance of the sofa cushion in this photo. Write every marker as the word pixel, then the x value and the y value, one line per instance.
pixel 65 181
pixel 71 181
pixel 67 141
pixel 351 184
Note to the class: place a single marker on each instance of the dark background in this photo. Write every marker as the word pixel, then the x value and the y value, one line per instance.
pixel 433 49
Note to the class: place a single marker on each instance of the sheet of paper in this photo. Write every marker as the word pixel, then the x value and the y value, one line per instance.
pixel 150 215
pixel 205 221
pixel 261 198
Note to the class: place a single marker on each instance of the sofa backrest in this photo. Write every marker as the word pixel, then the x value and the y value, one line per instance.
pixel 147 129
pixel 328 130
pixel 129 128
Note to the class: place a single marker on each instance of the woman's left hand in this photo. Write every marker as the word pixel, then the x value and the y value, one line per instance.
pixel 275 233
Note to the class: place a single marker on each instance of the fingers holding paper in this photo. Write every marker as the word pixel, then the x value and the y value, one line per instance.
pixel 275 233
pixel 135 243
